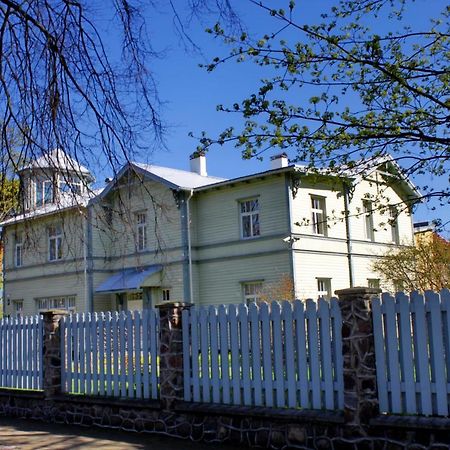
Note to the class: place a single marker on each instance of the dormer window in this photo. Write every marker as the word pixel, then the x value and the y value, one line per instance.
pixel 70 184
pixel 44 192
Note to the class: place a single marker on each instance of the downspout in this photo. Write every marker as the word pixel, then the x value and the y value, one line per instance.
pixel 348 234
pixel 188 213
pixel 88 262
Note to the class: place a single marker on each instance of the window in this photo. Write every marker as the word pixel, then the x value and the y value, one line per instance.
pixel 393 221
pixel 252 292
pixel 373 283
pixel 18 251
pixel 250 218
pixel 166 295
pixel 54 243
pixel 141 231
pixel 44 192
pixel 319 216
pixel 368 220
pixel 324 288
pixel 70 184
pixel 62 302
pixel 17 307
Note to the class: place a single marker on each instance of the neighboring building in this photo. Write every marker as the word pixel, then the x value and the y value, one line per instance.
pixel 156 234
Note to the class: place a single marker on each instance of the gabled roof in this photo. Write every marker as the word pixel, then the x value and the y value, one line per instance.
pixel 59 160
pixel 173 178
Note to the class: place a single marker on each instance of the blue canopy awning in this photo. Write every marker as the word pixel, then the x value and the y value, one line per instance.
pixel 128 279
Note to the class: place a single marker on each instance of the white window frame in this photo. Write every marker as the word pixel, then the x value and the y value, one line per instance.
pixel 41 186
pixel 166 294
pixel 250 212
pixel 55 239
pixel 393 222
pixel 251 291
pixel 368 220
pixel 70 184
pixel 141 231
pixel 18 251
pixel 67 302
pixel 319 215
pixel 17 307
pixel 324 288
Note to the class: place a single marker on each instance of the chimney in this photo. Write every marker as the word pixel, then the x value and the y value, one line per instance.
pixel 198 163
pixel 278 161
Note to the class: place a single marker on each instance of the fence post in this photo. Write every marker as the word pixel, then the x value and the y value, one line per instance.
pixel 51 358
pixel 358 347
pixel 171 374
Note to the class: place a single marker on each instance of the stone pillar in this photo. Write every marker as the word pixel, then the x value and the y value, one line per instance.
pixel 52 352
pixel 171 353
pixel 358 347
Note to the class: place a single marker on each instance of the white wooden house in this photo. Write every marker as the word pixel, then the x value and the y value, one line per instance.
pixel 155 234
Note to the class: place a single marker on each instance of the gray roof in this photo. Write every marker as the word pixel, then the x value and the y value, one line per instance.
pixel 182 179
pixel 57 159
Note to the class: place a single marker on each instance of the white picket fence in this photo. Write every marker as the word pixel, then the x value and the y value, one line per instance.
pixel 412 345
pixel 287 355
pixel 21 353
pixel 114 354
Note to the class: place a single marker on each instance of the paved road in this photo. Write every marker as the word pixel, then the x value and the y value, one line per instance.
pixel 18 434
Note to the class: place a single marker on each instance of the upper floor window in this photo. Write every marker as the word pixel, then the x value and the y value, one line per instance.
pixel 249 210
pixel 141 231
pixel 324 288
pixel 44 192
pixel 319 216
pixel 18 251
pixel 70 184
pixel 393 222
pixel 252 292
pixel 54 243
pixel 368 220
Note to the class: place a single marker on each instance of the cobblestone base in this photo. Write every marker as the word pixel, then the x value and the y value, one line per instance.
pixel 303 430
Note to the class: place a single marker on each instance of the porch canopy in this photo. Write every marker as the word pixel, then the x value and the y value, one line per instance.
pixel 127 280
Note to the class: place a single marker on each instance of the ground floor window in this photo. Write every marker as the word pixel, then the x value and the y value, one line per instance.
pixel 166 295
pixel 252 292
pixel 62 302
pixel 17 307
pixel 324 288
pixel 373 283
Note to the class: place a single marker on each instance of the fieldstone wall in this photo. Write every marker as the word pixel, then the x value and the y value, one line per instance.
pixel 358 427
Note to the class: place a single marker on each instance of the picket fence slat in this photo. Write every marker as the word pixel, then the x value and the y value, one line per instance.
pixel 112 354
pixel 276 355
pixel 21 352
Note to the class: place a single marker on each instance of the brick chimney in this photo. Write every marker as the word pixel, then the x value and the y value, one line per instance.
pixel 198 163
pixel 278 161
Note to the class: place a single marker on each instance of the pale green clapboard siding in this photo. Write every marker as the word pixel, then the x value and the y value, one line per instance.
pixel 217 211
pixel 53 286
pixel 221 281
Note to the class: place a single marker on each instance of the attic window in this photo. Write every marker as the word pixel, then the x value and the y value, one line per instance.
pixel 70 184
pixel 44 192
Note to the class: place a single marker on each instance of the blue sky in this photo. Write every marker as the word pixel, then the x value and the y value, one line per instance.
pixel 190 94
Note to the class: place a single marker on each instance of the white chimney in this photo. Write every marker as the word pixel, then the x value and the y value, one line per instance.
pixel 278 161
pixel 198 163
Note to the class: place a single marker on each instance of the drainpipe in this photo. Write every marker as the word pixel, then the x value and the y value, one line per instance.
pixel 88 262
pixel 188 213
pixel 348 234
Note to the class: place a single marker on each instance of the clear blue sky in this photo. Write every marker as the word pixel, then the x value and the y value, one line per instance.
pixel 191 94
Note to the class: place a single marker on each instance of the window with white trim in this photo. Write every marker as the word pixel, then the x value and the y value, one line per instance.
pixel 318 215
pixel 67 302
pixel 70 184
pixel 141 231
pixel 18 250
pixel 43 192
pixel 324 288
pixel 17 307
pixel 249 212
pixel 252 292
pixel 373 283
pixel 393 222
pixel 54 243
pixel 166 295
pixel 368 220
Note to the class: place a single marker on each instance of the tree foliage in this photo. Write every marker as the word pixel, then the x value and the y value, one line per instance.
pixel 423 266
pixel 339 92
